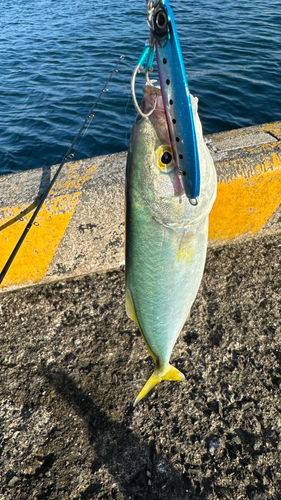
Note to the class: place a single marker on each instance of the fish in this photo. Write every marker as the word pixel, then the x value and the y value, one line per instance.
pixel 166 235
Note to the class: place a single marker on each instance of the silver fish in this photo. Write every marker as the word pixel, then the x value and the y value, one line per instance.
pixel 166 236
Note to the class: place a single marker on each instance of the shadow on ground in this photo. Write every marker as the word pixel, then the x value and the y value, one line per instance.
pixel 72 364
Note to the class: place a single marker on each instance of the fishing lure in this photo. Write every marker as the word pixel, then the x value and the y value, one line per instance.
pixel 165 43
pixel 166 232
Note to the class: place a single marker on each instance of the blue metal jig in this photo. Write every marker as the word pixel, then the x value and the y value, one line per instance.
pixel 175 93
pixel 176 98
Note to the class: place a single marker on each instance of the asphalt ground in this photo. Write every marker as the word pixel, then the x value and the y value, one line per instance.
pixel 72 364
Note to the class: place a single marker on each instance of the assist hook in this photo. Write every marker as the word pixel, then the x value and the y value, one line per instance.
pixel 145 61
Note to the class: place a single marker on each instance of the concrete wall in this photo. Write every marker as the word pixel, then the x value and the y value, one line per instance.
pixel 80 228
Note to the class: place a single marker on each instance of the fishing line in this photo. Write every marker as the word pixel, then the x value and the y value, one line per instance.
pixel 66 157
pixel 128 118
pixel 129 110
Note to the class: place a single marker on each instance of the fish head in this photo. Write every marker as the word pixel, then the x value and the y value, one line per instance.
pixel 152 171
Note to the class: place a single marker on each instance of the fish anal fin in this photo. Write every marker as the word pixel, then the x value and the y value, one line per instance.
pixel 171 373
pixel 130 310
pixel 187 317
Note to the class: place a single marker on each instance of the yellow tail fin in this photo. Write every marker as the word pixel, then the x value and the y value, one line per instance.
pixel 170 373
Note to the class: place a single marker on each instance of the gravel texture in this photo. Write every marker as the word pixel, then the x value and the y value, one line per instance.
pixel 72 364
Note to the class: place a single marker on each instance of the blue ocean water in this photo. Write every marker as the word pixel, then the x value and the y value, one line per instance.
pixel 57 55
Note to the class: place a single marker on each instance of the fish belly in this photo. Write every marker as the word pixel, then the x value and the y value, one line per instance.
pixel 164 268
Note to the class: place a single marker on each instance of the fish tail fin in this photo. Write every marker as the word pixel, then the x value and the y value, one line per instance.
pixel 171 373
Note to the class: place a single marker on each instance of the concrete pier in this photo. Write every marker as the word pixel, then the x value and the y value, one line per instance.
pixel 72 363
pixel 80 228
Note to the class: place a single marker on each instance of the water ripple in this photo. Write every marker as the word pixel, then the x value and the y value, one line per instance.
pixel 56 57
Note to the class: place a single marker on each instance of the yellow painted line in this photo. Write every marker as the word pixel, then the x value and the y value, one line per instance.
pixel 33 259
pixel 75 179
pixel 246 202
pixel 36 253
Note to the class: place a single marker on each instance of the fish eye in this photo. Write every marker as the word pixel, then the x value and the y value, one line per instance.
pixel 164 159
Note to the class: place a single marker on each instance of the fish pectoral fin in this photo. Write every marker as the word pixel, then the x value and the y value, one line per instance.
pixel 186 248
pixel 171 373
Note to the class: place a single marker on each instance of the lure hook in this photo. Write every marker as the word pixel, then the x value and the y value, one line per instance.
pixel 148 56
pixel 135 101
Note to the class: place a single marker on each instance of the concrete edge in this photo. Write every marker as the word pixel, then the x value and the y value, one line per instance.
pixel 80 229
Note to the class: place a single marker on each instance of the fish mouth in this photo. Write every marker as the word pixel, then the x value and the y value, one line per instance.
pixel 152 100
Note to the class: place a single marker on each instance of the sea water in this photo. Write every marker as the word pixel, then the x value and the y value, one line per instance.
pixel 57 55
